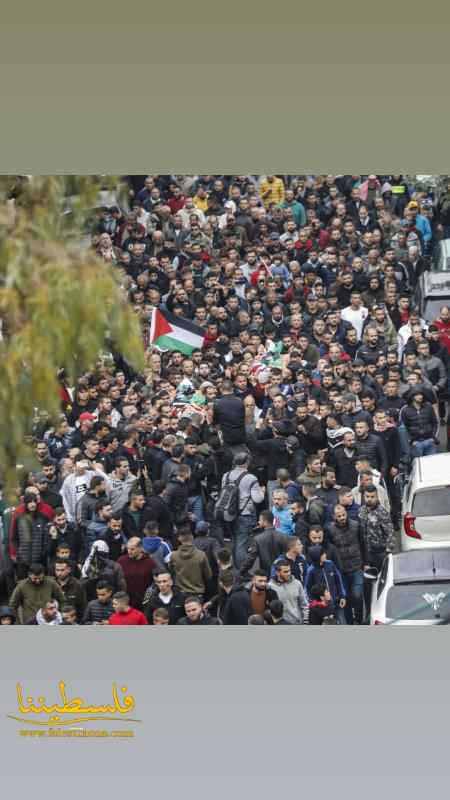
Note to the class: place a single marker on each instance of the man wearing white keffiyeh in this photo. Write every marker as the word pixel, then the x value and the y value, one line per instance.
pixel 47 615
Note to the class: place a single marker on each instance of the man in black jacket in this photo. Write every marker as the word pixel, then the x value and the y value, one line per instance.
pixel 373 347
pixel 235 608
pixel 388 432
pixel 156 454
pixel 157 509
pixel 346 536
pixel 59 530
pixel 163 595
pixel 370 446
pixel 133 515
pixel 272 444
pixel 421 423
pixel 98 611
pixel 265 546
pixel 316 536
pixel 343 459
pixel 308 430
pixel 229 415
pixel 177 494
pixel 195 615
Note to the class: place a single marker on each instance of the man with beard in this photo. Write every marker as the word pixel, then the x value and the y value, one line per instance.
pixel 346 536
pixel 137 568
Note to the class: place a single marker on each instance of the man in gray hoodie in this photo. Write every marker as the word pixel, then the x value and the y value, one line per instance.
pixel 291 593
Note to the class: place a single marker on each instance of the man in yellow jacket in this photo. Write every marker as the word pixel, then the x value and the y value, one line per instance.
pixel 272 190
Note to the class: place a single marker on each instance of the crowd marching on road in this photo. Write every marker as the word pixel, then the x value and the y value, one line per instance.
pixel 253 473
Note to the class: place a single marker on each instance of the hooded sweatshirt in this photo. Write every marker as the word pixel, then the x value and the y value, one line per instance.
pixel 158 549
pixel 293 597
pixel 326 574
pixel 192 570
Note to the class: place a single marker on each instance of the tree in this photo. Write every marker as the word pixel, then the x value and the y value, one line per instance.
pixel 60 306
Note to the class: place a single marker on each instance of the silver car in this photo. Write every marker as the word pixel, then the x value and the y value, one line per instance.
pixel 412 588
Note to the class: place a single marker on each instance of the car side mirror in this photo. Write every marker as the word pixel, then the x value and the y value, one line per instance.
pixel 371 574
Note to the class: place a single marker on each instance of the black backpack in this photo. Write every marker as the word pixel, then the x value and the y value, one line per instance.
pixel 227 505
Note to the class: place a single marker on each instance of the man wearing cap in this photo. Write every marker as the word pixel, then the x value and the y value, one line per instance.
pixel 48 496
pixel 83 432
pixel 420 222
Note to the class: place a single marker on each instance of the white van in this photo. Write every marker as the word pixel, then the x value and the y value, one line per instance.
pixel 426 504
pixel 432 292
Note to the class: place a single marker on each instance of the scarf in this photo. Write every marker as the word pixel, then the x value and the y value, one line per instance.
pixel 92 562
pixel 41 621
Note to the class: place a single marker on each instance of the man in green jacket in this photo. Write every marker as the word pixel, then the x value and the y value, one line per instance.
pixel 190 566
pixel 33 592
pixel 298 210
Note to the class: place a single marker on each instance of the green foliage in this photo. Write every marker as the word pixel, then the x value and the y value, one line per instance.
pixel 59 305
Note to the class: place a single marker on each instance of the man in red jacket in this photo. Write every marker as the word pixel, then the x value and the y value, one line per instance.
pixel 42 508
pixel 443 325
pixel 123 613
pixel 138 569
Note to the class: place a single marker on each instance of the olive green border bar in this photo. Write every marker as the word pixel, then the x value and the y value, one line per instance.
pixel 232 88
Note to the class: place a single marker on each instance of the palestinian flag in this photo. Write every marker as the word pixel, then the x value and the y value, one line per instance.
pixel 169 332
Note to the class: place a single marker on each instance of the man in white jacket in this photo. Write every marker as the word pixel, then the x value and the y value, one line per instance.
pixel 77 484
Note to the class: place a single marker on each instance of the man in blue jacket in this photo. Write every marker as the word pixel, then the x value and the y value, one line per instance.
pixel 323 571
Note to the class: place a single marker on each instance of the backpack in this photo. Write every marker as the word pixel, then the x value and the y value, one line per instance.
pixel 227 505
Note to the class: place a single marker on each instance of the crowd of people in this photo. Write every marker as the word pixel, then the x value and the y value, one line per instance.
pixel 254 479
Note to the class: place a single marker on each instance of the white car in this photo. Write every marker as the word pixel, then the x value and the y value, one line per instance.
pixel 411 588
pixel 426 504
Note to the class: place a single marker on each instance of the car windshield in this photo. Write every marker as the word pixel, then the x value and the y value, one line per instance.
pixel 432 503
pixel 418 601
pixel 441 264
pixel 433 307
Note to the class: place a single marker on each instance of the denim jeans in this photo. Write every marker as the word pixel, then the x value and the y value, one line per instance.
pixel 339 613
pixel 242 531
pixel 354 586
pixel 195 505
pixel 426 447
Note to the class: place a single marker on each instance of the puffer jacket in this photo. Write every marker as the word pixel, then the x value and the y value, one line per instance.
pixel 32 534
pixel 372 448
pixel 421 424
pixel 347 539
